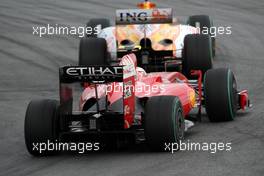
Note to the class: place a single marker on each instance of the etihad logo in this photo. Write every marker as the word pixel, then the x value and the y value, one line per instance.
pixel 94 71
pixel 91 74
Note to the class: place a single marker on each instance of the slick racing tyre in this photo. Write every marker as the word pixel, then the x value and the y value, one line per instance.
pixel 99 23
pixel 197 53
pixel 41 126
pixel 203 21
pixel 164 122
pixel 93 51
pixel 220 91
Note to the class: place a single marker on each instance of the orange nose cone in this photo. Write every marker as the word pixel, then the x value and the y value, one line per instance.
pixel 146 5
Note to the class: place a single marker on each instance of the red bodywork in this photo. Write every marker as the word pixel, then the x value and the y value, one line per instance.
pixel 138 83
pixel 243 99
pixel 142 85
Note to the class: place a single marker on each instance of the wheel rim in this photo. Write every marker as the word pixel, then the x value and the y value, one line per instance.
pixel 180 124
pixel 234 91
pixel 177 122
pixel 232 94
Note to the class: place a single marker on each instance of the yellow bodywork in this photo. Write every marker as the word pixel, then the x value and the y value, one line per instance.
pixel 155 32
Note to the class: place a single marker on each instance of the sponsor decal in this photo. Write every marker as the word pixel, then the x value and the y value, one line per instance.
pixel 143 16
pixel 86 71
pixel 93 74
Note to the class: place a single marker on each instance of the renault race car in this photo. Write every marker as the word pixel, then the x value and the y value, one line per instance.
pixel 124 104
pixel 158 40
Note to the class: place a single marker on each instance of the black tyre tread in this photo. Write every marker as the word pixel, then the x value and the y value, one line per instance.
pixel 97 21
pixel 159 124
pixel 220 97
pixel 204 21
pixel 41 124
pixel 197 53
pixel 93 51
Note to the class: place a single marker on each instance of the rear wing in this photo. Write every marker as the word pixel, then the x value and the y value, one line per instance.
pixel 144 16
pixel 97 75
pixel 84 74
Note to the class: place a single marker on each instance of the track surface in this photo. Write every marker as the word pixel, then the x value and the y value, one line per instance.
pixel 29 69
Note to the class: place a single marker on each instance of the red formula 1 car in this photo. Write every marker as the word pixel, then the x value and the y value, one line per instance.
pixel 124 103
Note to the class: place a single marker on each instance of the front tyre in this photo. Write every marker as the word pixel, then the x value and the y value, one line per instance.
pixel 41 126
pixel 197 53
pixel 93 51
pixel 164 121
pixel 220 91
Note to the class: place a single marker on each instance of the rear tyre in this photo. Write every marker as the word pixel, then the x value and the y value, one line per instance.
pixel 203 21
pixel 164 122
pixel 93 51
pixel 99 23
pixel 220 91
pixel 41 126
pixel 197 53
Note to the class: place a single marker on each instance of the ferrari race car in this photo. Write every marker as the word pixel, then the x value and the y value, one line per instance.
pixel 123 103
pixel 142 95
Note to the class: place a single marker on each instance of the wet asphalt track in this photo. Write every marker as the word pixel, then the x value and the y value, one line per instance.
pixel 29 69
